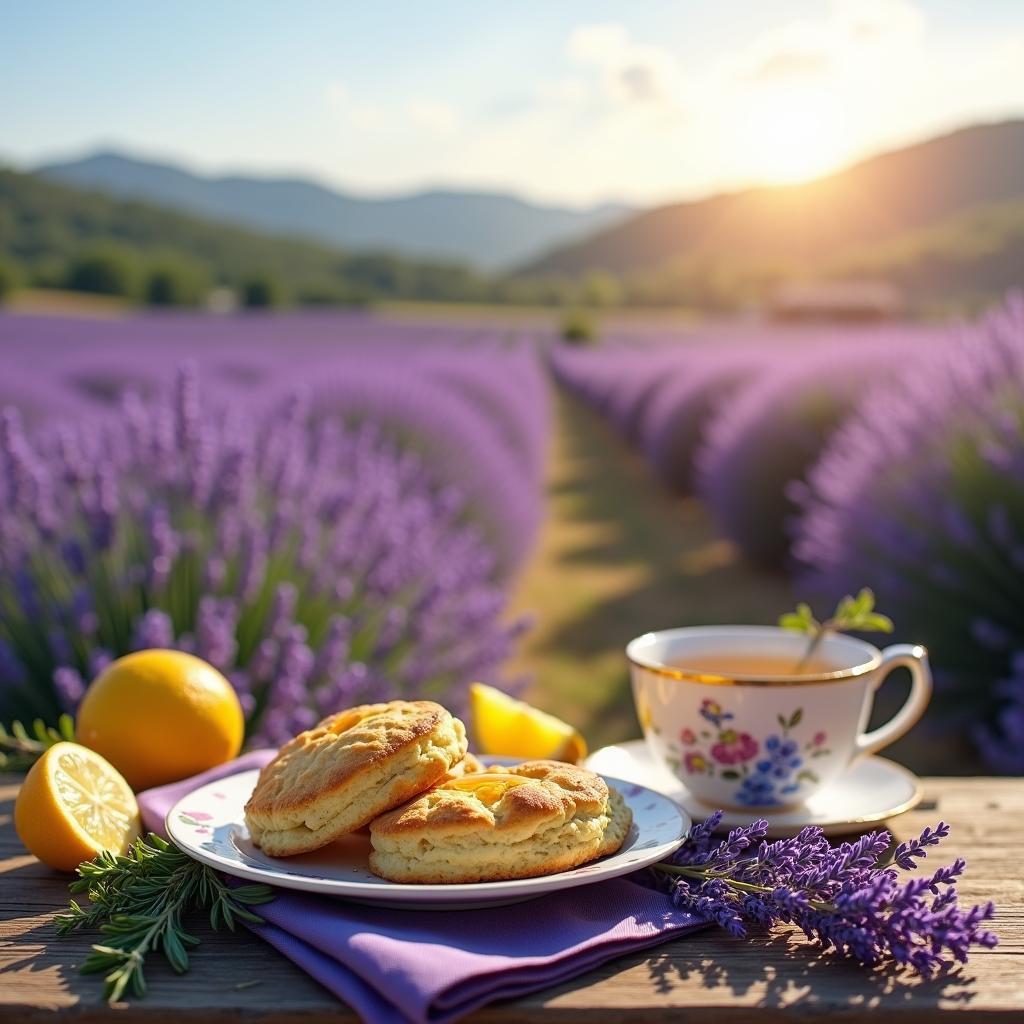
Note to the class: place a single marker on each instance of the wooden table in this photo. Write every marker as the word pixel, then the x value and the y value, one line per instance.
pixel 705 977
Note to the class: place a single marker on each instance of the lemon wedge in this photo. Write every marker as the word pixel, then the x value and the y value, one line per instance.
pixel 505 726
pixel 72 805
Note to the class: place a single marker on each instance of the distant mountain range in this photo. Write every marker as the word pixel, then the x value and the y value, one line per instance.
pixel 968 181
pixel 489 231
pixel 942 221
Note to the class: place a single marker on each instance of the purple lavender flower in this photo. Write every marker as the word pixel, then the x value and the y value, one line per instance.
pixel 848 898
pixel 346 566
pixel 770 434
pixel 673 426
pixel 921 497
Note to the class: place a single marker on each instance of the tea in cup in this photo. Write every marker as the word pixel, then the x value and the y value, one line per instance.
pixel 739 716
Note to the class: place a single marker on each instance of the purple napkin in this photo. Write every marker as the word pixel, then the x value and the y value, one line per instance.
pixel 396 966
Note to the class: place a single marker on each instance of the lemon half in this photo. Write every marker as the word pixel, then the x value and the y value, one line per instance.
pixel 74 804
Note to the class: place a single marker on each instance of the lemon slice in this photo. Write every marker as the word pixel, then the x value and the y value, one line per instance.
pixel 512 728
pixel 72 805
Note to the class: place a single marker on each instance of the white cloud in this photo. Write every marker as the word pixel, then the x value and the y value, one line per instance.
pixel 872 21
pixel 357 113
pixel 632 73
pixel 597 44
pixel 338 94
pixel 813 93
pixel 423 114
pixel 853 32
pixel 798 50
pixel 567 90
pixel 434 117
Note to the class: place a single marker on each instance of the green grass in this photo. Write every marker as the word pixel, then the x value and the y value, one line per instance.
pixel 515 316
pixel 56 302
pixel 618 556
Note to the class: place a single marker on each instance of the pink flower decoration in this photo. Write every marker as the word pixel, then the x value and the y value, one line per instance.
pixel 696 764
pixel 199 815
pixel 688 737
pixel 819 738
pixel 734 747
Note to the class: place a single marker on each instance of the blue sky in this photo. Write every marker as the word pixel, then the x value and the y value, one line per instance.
pixel 565 101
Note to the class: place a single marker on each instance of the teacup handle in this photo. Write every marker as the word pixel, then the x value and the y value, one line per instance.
pixel 914 657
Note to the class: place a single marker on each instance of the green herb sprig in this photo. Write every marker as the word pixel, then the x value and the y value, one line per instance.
pixel 20 747
pixel 852 614
pixel 139 902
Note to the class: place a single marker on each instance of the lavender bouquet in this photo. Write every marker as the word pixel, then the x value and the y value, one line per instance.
pixel 850 898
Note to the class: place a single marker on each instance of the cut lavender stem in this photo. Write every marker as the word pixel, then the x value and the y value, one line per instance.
pixel 850 898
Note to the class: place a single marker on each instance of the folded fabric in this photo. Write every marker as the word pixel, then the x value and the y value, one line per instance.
pixel 394 966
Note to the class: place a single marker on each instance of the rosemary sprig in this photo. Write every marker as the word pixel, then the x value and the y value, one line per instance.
pixel 21 748
pixel 852 613
pixel 139 902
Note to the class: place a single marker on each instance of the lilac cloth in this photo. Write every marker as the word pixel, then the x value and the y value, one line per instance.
pixel 397 966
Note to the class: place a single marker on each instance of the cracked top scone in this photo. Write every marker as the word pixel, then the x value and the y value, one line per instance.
pixel 530 819
pixel 469 765
pixel 353 766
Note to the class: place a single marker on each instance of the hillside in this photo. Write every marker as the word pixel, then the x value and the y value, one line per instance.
pixel 959 263
pixel 486 230
pixel 44 227
pixel 874 202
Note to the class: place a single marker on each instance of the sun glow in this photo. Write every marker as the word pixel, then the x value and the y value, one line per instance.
pixel 791 136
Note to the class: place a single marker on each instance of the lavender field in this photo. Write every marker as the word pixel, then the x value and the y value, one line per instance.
pixel 338 507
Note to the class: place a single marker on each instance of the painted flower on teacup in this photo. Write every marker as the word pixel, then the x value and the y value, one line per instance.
pixel 713 712
pixel 734 747
pixel 769 773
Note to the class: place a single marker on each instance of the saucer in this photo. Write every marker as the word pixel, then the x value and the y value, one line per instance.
pixel 870 792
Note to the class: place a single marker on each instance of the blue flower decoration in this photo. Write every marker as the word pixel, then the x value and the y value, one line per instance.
pixel 783 758
pixel 757 791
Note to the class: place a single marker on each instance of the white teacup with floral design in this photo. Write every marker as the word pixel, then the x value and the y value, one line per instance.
pixel 732 712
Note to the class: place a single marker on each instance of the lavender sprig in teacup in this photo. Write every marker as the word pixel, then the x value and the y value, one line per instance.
pixel 851 897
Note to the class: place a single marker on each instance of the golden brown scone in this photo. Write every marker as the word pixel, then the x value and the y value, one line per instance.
pixel 353 766
pixel 467 766
pixel 621 818
pixel 530 819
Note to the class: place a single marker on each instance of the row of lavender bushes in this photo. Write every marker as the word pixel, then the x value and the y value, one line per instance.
pixel 890 458
pixel 327 509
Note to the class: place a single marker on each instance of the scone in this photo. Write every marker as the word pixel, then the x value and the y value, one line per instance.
pixel 469 765
pixel 620 817
pixel 531 819
pixel 353 766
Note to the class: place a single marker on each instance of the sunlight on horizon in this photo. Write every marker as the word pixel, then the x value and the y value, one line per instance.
pixel 793 136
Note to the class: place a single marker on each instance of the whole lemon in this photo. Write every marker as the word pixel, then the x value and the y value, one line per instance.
pixel 159 716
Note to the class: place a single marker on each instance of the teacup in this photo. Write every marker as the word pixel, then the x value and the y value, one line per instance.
pixel 754 738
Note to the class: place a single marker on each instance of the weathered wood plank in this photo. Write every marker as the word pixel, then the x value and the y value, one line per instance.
pixel 766 978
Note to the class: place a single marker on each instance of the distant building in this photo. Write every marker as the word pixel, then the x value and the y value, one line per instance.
pixel 847 301
pixel 222 300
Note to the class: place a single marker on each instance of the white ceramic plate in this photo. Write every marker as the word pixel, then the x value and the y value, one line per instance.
pixel 868 793
pixel 209 825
